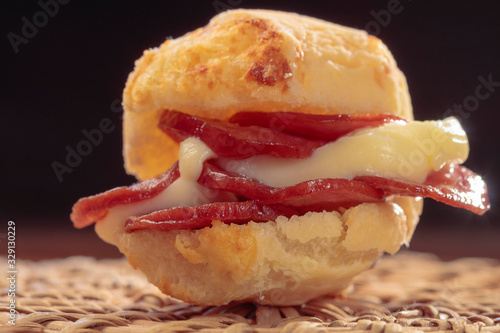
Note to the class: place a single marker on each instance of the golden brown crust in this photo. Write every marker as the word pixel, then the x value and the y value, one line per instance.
pixel 255 60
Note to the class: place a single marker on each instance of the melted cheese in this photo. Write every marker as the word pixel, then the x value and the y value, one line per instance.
pixel 185 191
pixel 406 151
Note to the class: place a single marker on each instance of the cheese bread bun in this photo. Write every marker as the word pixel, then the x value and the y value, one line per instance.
pixel 282 262
pixel 255 60
pixel 259 60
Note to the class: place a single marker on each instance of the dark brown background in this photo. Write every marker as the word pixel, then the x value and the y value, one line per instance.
pixel 70 75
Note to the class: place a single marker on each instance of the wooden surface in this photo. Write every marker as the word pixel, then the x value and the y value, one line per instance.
pixel 409 292
pixel 401 293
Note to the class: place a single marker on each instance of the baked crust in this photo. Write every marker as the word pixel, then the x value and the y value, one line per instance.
pixel 255 60
pixel 282 262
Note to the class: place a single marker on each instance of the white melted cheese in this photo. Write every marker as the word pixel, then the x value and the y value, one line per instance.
pixel 185 191
pixel 406 151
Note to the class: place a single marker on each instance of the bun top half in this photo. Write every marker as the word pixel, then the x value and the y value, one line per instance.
pixel 255 60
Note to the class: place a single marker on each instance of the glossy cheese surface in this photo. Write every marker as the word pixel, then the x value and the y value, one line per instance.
pixel 399 150
pixel 185 191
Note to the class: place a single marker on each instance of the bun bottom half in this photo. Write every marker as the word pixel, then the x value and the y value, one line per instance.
pixel 282 262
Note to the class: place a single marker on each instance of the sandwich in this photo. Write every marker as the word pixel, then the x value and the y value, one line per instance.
pixel 277 157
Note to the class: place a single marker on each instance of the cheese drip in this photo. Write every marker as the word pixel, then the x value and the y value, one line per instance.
pixel 185 191
pixel 405 151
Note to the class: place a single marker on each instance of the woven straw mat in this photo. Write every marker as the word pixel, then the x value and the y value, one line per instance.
pixel 409 292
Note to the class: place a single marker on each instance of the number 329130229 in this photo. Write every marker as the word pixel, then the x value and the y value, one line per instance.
pixel 11 244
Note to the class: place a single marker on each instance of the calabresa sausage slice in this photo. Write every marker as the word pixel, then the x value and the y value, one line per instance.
pixel 312 195
pixel 90 209
pixel 183 218
pixel 327 127
pixel 234 141
pixel 454 185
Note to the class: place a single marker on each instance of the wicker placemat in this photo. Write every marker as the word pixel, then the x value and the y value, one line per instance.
pixel 404 293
